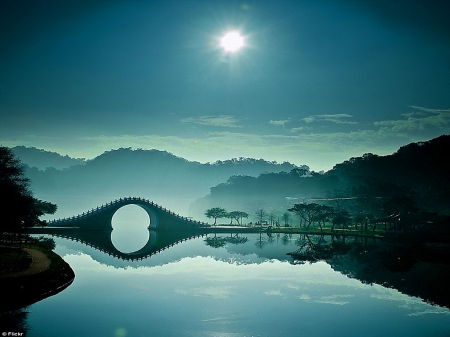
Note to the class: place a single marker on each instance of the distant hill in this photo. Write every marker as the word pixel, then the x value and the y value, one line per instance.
pixel 42 159
pixel 161 176
pixel 417 171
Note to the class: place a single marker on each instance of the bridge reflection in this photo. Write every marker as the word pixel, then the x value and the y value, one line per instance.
pixel 100 239
pixel 94 228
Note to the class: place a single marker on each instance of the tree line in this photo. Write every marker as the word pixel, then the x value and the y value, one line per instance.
pixel 333 213
pixel 18 206
pixel 219 213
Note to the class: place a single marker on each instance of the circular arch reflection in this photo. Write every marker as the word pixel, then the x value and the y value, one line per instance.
pixel 130 225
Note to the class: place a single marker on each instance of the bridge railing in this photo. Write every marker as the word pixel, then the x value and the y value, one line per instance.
pixel 110 204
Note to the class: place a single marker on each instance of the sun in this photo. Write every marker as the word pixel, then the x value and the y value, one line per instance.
pixel 232 41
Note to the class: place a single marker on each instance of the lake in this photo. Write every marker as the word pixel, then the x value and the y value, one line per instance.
pixel 240 285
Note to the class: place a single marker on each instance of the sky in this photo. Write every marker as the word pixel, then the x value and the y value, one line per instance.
pixel 316 82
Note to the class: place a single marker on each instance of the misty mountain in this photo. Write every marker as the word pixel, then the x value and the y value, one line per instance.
pixel 160 176
pixel 42 159
pixel 417 171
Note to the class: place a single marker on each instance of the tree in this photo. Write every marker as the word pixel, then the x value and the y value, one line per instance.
pixel 286 217
pixel 261 214
pixel 45 207
pixel 307 212
pixel 216 213
pixel 340 218
pixel 18 207
pixel 324 215
pixel 272 216
pixel 399 205
pixel 237 215
pixel 242 215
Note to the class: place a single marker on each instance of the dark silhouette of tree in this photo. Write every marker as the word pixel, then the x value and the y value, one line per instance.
pixel 238 215
pixel 340 218
pixel 286 217
pixel 261 214
pixel 399 205
pixel 324 215
pixel 260 242
pixel 231 217
pixel 285 239
pixel 18 207
pixel 216 213
pixel 307 212
pixel 272 217
pixel 216 241
pixel 236 239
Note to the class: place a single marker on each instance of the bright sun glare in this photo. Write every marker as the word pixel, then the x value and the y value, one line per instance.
pixel 232 41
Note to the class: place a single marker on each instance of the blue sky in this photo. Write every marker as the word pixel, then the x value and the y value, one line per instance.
pixel 316 82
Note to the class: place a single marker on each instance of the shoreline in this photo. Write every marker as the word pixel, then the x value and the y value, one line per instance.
pixel 48 277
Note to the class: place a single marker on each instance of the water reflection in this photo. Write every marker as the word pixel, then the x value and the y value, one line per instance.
pixel 413 268
pixel 242 284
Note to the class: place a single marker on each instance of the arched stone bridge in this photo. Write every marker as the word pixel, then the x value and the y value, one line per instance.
pixel 101 217
pixel 94 227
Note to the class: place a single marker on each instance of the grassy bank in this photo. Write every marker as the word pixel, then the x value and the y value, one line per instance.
pixel 325 231
pixel 25 290
pixel 13 259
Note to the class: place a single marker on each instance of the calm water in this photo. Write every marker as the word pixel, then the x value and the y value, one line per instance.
pixel 216 286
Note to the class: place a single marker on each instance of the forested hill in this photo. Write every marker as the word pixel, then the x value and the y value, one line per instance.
pixel 417 171
pixel 154 174
pixel 42 159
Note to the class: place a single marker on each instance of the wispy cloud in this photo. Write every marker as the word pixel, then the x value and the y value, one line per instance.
pixel 421 108
pixel 218 292
pixel 319 150
pixel 281 122
pixel 333 299
pixel 425 118
pixel 334 118
pixel 220 121
pixel 274 293
pixel 300 128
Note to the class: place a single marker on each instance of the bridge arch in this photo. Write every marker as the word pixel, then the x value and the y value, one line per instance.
pixel 93 228
pixel 101 217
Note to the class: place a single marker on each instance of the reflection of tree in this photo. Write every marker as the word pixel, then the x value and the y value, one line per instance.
pixel 314 248
pixel 390 264
pixel 260 243
pixel 285 239
pixel 221 241
pixel 270 238
pixel 14 320
pixel 300 240
pixel 236 239
pixel 216 241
